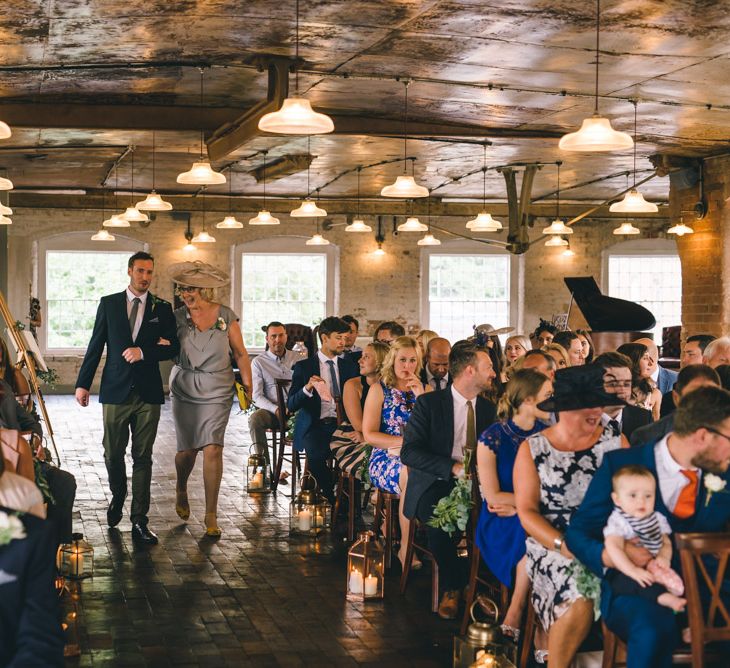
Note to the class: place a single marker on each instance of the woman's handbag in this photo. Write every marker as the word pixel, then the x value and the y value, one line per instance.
pixel 244 399
pixel 348 453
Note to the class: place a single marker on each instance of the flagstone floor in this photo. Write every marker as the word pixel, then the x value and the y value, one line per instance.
pixel 253 598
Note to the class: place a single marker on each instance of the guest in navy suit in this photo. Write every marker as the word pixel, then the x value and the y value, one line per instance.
pixel 317 418
pixel 699 444
pixel 138 330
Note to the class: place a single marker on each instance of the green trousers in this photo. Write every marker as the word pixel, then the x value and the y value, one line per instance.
pixel 141 419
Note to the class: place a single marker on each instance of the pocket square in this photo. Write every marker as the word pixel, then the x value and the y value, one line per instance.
pixel 7 578
pixel 155 320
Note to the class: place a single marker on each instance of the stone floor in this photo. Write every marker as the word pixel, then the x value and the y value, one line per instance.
pixel 254 598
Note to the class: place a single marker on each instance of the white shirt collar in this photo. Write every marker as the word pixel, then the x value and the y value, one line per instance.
pixel 131 296
pixel 273 355
pixel 661 450
pixel 459 398
pixel 606 418
pixel 323 359
pixel 655 375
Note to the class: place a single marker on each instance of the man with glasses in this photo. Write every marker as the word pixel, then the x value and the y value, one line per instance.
pixel 680 462
pixel 617 380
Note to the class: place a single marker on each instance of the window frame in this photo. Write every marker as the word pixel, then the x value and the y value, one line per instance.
pixel 79 242
pixel 467 247
pixel 287 245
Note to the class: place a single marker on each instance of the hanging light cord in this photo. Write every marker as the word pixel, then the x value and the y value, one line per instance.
pixel 132 177
pixel 296 55
pixel 309 155
pixel 405 128
pixel 153 159
pixel 636 106
pixel 557 206
pixel 264 175
pixel 598 32
pixel 201 111
pixel 484 179
pixel 230 188
pixel 359 169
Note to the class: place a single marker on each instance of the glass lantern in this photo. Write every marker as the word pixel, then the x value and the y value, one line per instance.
pixel 76 559
pixel 258 478
pixel 484 644
pixel 310 513
pixel 70 619
pixel 365 568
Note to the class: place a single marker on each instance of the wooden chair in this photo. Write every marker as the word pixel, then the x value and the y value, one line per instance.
pixel 411 547
pixel 529 627
pixel 283 441
pixel 386 518
pixel 347 488
pixel 296 332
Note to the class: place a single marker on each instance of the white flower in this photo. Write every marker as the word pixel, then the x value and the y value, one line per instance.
pixel 11 528
pixel 221 324
pixel 714 483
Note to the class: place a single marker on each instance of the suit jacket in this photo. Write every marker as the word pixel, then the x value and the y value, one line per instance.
pixel 666 379
pixel 309 408
pixel 633 417
pixel 424 379
pixel 653 432
pixel 668 406
pixel 13 415
pixel 30 632
pixel 429 439
pixel 111 329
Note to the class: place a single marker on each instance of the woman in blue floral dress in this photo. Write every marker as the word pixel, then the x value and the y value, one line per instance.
pixel 387 409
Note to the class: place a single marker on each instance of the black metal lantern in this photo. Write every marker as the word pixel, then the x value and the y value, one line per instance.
pixel 76 559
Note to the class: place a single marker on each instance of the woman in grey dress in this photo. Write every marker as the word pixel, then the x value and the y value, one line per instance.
pixel 202 381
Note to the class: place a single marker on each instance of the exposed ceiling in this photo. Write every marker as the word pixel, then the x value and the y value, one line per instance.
pixel 81 80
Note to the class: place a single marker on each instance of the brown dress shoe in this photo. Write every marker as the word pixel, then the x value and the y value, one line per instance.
pixel 449 606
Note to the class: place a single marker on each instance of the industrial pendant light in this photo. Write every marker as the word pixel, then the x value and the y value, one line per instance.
pixel 633 201
pixel 680 229
pixel 358 225
pixel 5 184
pixel 428 239
pixel 103 235
pixel 412 224
pixel 596 133
pixel 5 132
pixel 5 210
pixel 626 228
pixel 405 187
pixel 188 247
pixel 230 222
pixel 308 208
pixel 203 237
pixel 296 116
pixel 317 239
pixel 116 219
pixel 484 221
pixel 556 241
pixel 264 217
pixel 201 173
pixel 4 220
pixel 132 214
pixel 557 226
pixel 153 201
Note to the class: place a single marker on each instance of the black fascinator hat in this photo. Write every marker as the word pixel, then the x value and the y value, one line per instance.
pixel 579 387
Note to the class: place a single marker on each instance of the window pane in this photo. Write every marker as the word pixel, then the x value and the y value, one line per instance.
pixel 467 290
pixel 287 287
pixel 654 281
pixel 75 281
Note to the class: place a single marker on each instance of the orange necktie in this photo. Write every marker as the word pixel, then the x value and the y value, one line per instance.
pixel 686 502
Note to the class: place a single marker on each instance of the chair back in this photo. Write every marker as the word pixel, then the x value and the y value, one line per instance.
pixel 700 553
pixel 282 390
pixel 297 332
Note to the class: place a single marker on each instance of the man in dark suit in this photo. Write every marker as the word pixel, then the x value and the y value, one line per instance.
pixel 139 331
pixel 699 444
pixel 443 425
pixel 435 372
pixel 30 633
pixel 322 374
pixel 692 353
pixel 617 380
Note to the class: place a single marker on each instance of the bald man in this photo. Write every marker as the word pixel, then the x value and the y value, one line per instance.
pixel 435 370
pixel 540 361
pixel 664 378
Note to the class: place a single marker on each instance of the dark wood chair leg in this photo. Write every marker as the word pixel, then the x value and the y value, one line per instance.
pixel 389 528
pixel 408 557
pixel 377 512
pixel 339 493
pixel 471 587
pixel 278 467
pixel 528 635
pixel 434 586
pixel 353 502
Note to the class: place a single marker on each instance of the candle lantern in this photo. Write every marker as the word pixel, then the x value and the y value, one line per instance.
pixel 365 568
pixel 258 479
pixel 70 619
pixel 76 559
pixel 484 645
pixel 310 512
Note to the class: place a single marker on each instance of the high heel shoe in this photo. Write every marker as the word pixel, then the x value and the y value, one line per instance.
pixel 212 530
pixel 182 507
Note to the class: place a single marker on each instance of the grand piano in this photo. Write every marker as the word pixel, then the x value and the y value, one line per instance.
pixel 612 321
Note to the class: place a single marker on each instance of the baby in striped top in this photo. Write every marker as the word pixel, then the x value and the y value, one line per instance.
pixel 634 520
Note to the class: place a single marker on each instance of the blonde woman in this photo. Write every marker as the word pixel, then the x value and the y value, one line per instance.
pixel 387 409
pixel 559 355
pixel 515 347
pixel 422 338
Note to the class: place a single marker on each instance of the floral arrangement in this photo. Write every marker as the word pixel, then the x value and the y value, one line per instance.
pixel 11 528
pixel 19 326
pixel 220 324
pixel 364 468
pixel 452 512
pixel 290 424
pixel 49 377
pixel 155 301
pixel 42 482
pixel 588 585
pixel 713 483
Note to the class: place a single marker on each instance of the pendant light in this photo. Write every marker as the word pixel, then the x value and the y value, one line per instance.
pixel 153 201
pixel 556 241
pixel 229 222
pixel 308 208
pixel 633 201
pixel 680 229
pixel 379 251
pixel 405 187
pixel 132 214
pixel 484 221
pixel 412 224
pixel 358 225
pixel 317 239
pixel 557 226
pixel 116 219
pixel 5 184
pixel 428 239
pixel 4 220
pixel 203 237
pixel 5 210
pixel 296 116
pixel 103 235
pixel 201 173
pixel 596 133
pixel 188 247
pixel 626 228
pixel 5 132
pixel 264 217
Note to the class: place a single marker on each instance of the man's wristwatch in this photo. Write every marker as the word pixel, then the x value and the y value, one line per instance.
pixel 558 543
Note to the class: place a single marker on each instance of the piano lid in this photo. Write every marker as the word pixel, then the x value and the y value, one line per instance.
pixel 607 314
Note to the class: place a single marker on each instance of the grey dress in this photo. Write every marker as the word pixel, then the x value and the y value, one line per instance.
pixel 202 382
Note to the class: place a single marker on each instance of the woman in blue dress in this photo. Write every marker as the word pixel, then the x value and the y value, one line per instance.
pixel 500 536
pixel 387 409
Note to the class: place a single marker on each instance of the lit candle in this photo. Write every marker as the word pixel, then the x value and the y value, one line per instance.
pixel 305 520
pixel 371 585
pixel 258 480
pixel 318 519
pixel 76 563
pixel 355 581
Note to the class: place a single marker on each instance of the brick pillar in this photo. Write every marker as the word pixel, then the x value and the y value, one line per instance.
pixel 705 255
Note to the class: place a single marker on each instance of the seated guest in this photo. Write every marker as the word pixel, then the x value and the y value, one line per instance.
pixel 642 368
pixel 692 353
pixel 315 392
pixel 572 346
pixel 544 333
pixel 717 352
pixel 350 346
pixel 499 534
pixel 557 352
pixel 617 380
pixel 30 633
pixel 435 372
pixel 387 410
pixel 348 443
pixel 539 360
pixel 19 493
pixel 442 426
pixel 723 371
pixel 275 363
pixel 552 472
pixel 14 377
pixel 690 378
pixel 698 445
pixel 388 331
pixel 663 378
pixel 515 347
pixel 422 339
pixel 586 343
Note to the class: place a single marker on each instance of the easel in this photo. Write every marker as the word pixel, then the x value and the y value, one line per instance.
pixel 29 362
